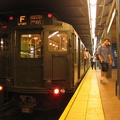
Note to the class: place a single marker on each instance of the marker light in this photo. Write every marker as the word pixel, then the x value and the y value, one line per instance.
pixel 11 18
pixel 56 91
pixel 62 90
pixel 1 87
pixel 4 27
pixel 49 15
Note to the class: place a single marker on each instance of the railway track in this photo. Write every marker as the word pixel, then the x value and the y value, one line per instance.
pixel 9 111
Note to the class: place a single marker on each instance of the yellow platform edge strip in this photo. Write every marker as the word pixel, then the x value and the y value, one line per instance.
pixel 66 111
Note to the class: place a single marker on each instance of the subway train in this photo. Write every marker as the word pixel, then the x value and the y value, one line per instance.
pixel 41 59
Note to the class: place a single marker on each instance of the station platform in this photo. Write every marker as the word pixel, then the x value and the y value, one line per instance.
pixel 93 100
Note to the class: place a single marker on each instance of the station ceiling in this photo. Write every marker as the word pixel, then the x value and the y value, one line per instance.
pixel 74 12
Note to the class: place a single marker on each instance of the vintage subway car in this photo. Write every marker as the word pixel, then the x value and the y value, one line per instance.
pixel 41 58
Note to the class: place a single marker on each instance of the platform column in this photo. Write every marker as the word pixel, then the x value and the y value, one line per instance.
pixel 109 73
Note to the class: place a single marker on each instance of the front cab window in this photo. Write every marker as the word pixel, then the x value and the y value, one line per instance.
pixel 30 46
pixel 57 41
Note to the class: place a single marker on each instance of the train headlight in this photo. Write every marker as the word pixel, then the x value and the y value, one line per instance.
pixel 59 91
pixel 56 91
pixel 1 87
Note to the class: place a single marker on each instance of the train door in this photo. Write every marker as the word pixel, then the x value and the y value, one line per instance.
pixel 76 58
pixel 5 56
pixel 56 63
pixel 28 58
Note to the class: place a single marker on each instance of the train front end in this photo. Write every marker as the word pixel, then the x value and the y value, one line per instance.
pixel 39 61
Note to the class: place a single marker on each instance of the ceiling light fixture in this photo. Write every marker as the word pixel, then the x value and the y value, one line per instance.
pixel 111 20
pixel 92 20
pixel 92 16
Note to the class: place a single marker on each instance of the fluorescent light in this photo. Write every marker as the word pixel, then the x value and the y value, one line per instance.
pixel 111 20
pixel 93 12
pixel 92 16
pixel 93 2
pixel 92 21
pixel 93 35
pixel 93 24
pixel 53 34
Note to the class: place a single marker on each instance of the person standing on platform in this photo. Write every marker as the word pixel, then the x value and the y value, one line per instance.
pixel 105 58
pixel 86 57
pixel 93 62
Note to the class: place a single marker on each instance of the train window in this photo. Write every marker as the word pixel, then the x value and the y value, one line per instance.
pixel 4 42
pixel 57 41
pixel 30 46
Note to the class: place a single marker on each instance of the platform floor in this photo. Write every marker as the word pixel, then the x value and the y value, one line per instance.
pixel 110 102
pixel 93 100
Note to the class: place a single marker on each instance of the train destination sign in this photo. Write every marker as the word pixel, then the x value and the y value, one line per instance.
pixel 35 20
pixel 29 20
pixel 22 20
